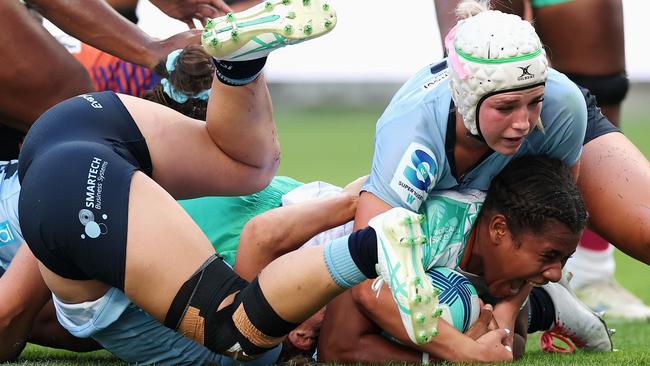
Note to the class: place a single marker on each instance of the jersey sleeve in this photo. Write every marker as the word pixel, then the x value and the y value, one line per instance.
pixel 404 166
pixel 567 117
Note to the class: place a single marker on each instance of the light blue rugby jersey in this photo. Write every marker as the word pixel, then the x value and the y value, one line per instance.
pixel 10 235
pixel 412 143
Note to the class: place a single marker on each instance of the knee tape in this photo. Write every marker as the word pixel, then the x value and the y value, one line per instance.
pixel 199 297
pixel 609 89
pixel 248 327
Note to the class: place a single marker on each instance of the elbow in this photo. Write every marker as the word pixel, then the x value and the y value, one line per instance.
pixel 259 235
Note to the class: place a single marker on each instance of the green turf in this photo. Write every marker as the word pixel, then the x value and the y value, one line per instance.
pixel 336 145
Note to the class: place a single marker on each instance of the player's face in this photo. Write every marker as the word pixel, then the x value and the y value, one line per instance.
pixel 507 118
pixel 534 258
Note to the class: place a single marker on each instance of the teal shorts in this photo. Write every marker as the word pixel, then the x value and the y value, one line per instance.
pixel 543 3
pixel 223 218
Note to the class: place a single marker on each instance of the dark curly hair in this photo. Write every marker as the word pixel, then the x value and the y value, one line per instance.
pixel 193 74
pixel 533 189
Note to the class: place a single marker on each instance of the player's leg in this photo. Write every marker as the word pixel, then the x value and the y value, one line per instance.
pixel 239 119
pixel 585 40
pixel 615 176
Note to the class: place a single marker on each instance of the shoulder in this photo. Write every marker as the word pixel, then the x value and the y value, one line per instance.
pixel 422 99
pixel 564 103
pixel 561 91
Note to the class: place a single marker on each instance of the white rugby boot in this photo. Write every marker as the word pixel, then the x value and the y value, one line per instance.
pixel 610 297
pixel 399 241
pixel 255 32
pixel 574 321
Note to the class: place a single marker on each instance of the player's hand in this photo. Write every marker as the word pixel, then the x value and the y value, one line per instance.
pixel 162 48
pixel 506 310
pixel 492 348
pixel 187 10
pixel 483 324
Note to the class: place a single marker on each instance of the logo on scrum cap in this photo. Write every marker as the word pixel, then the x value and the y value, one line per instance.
pixel 525 74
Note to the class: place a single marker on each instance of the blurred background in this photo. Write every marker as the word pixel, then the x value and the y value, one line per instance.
pixel 329 92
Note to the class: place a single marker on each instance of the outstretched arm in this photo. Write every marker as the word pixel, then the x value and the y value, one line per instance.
pixel 187 10
pixel 100 26
pixel 281 230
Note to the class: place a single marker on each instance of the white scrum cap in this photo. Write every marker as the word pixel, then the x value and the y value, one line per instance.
pixel 489 53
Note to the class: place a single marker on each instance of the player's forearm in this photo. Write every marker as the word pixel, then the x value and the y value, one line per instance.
pixel 449 344
pixel 368 207
pixel 94 22
pixel 284 229
pixel 299 223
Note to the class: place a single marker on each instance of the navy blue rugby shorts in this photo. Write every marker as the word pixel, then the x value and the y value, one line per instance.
pixel 75 169
pixel 597 124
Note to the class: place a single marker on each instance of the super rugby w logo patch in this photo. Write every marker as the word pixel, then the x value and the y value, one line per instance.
pixel 415 175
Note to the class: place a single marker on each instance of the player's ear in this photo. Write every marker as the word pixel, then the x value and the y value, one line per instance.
pixel 300 340
pixel 498 228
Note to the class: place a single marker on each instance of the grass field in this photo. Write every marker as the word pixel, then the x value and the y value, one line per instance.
pixel 335 145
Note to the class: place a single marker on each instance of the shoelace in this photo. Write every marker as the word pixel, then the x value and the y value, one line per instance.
pixel 547 342
pixel 377 284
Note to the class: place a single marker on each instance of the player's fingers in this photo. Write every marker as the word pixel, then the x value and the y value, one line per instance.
pixel 219 5
pixel 482 324
pixel 189 22
pixel 207 11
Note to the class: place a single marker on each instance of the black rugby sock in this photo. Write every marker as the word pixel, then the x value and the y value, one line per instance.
pixel 236 73
pixel 542 311
pixel 363 250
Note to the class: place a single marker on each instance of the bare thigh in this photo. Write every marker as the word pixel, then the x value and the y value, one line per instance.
pixel 37 72
pixel 614 180
pixel 164 247
pixel 188 158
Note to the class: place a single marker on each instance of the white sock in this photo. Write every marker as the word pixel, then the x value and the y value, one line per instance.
pixel 589 266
